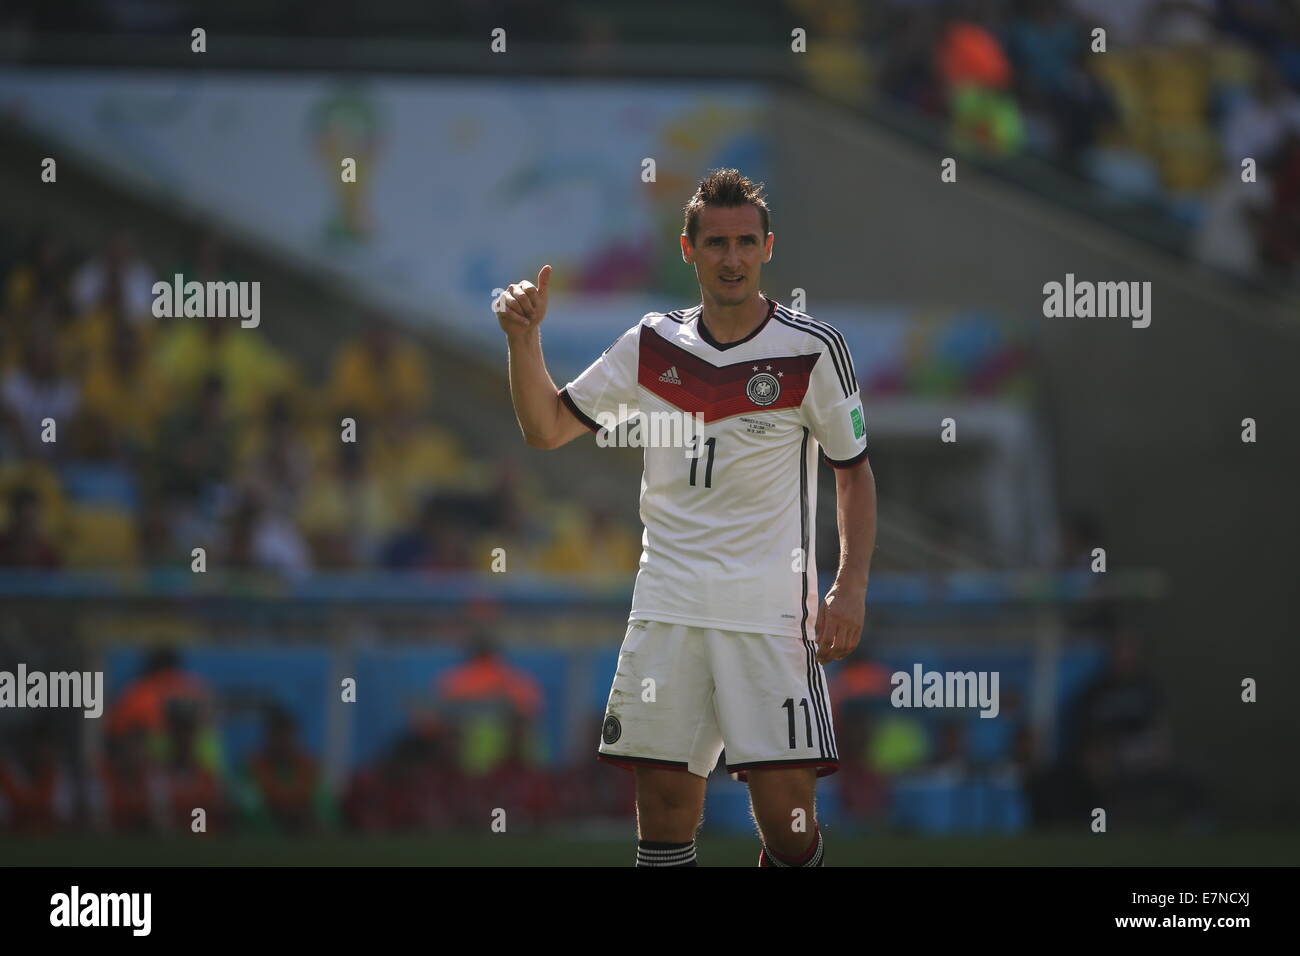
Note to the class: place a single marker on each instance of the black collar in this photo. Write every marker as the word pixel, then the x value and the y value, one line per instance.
pixel 722 346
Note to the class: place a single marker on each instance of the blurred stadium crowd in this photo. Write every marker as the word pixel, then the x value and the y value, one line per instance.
pixel 175 434
pixel 162 756
pixel 472 748
pixel 1184 92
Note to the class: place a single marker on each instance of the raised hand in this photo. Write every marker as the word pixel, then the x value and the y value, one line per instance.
pixel 522 306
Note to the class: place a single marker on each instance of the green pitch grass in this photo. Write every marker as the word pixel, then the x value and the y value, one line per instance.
pixel 552 849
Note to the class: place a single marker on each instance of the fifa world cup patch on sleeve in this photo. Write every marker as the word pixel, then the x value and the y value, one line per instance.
pixel 856 415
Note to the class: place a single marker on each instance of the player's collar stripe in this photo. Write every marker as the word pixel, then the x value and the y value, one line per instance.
pixel 826 340
pixel 722 346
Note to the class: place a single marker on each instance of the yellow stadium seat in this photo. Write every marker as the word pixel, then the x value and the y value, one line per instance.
pixel 100 539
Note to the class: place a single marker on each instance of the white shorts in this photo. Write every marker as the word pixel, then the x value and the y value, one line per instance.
pixel 682 693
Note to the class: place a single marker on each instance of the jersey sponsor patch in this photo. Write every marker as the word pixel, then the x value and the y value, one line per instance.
pixel 856 416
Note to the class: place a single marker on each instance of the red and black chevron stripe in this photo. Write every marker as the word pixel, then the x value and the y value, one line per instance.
pixel 718 391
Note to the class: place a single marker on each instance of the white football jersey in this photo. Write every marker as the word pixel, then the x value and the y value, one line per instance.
pixel 729 525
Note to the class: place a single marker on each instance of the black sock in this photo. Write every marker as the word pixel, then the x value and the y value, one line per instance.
pixel 654 853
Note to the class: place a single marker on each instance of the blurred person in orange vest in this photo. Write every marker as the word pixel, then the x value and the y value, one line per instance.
pixel 143 705
pixel 35 789
pixel 864 790
pixel 977 75
pixel 483 697
pixel 861 677
pixel 143 702
pixel 861 684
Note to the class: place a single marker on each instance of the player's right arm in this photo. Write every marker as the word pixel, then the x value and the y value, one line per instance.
pixel 544 419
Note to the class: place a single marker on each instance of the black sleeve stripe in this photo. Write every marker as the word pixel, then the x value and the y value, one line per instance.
pixel 578 413
pixel 844 350
pixel 845 359
pixel 680 316
pixel 787 319
pixel 845 464
pixel 848 357
pixel 838 355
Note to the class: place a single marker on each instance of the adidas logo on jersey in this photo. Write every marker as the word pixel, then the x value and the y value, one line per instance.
pixel 671 376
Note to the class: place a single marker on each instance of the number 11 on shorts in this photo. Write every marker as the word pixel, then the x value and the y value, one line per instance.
pixel 789 706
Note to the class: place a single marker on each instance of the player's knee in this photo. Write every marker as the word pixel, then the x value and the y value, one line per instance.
pixel 673 791
pixel 784 808
pixel 666 793
pixel 783 787
pixel 668 812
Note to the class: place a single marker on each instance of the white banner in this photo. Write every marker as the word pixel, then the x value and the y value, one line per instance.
pixel 461 185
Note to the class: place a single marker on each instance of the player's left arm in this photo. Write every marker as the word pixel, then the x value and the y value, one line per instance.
pixel 832 409
pixel 840 616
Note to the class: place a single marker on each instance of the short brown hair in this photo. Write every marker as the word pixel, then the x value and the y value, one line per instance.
pixel 725 187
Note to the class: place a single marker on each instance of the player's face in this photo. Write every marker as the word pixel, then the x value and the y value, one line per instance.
pixel 728 252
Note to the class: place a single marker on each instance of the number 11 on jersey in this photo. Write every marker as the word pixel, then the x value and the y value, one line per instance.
pixel 695 461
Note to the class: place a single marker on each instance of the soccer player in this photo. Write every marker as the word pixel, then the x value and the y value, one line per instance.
pixel 720 649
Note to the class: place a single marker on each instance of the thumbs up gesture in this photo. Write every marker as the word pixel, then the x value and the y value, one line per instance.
pixel 522 306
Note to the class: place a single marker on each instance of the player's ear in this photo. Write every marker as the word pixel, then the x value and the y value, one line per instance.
pixel 767 252
pixel 686 247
